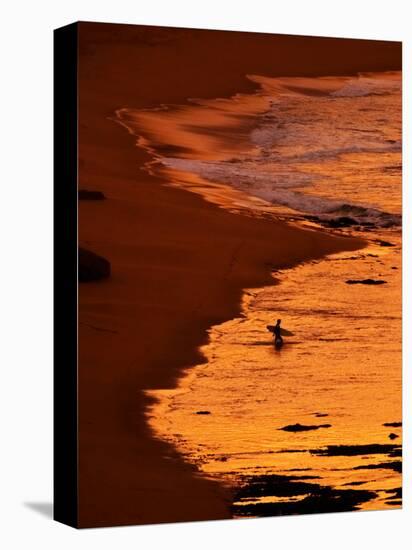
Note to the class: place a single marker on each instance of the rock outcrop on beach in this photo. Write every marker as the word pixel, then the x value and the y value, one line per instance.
pixel 339 222
pixel 385 243
pixel 303 428
pixel 365 282
pixel 357 450
pixel 392 424
pixel 395 465
pixel 87 195
pixel 314 497
pixel 92 267
pixel 342 221
pixel 389 450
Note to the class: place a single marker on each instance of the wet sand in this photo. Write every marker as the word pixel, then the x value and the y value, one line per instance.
pixel 179 263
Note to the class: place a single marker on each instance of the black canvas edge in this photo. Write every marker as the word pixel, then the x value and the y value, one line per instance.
pixel 65 450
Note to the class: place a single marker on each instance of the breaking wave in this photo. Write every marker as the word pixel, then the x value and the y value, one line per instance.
pixel 326 147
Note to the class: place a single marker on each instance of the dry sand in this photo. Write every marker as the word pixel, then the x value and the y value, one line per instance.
pixel 179 264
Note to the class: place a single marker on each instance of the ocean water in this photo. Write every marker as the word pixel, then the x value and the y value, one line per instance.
pixel 323 152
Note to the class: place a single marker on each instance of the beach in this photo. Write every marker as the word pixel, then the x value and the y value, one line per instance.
pixel 179 262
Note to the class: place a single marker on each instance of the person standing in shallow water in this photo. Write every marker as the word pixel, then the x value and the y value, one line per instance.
pixel 276 331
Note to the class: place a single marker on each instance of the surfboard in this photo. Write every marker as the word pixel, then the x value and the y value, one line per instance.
pixel 283 331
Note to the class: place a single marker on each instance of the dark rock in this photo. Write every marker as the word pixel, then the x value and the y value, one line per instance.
pixel 92 267
pixel 392 424
pixel 169 150
pixel 203 412
pixel 342 221
pixel 385 243
pixel 276 485
pixel 317 498
pixel 303 428
pixel 395 493
pixel 393 436
pixel 320 415
pixel 86 195
pixel 365 282
pixel 395 465
pixel 355 450
pixel 394 502
pixel 327 501
pixel 396 453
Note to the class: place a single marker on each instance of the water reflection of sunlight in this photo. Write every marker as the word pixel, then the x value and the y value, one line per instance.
pixel 342 366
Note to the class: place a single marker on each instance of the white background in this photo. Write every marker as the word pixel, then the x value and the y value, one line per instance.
pixel 26 272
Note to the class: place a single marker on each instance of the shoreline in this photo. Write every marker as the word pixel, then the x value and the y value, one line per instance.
pixel 173 415
pixel 216 499
pixel 179 266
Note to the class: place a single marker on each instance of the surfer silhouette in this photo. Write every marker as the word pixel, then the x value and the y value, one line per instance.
pixel 276 332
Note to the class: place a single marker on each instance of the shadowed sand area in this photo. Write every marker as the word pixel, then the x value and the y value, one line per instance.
pixel 178 263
